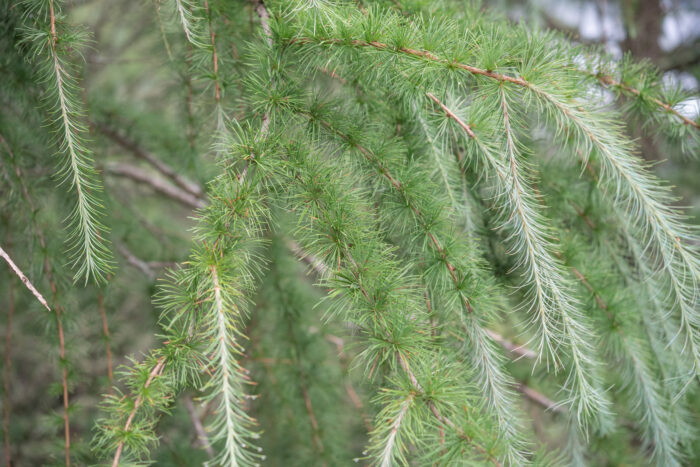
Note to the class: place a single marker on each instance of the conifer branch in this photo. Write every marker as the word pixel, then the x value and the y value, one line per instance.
pixel 608 80
pixel 634 186
pixel 388 455
pixel 586 398
pixel 355 273
pixel 155 372
pixel 226 395
pixel 90 251
pixel 639 194
pixel 187 20
pixel 389 144
pixel 651 404
pixel 496 381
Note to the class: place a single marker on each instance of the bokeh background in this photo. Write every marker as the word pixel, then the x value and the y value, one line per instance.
pixel 138 97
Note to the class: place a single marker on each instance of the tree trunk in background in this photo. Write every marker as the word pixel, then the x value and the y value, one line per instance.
pixel 643 20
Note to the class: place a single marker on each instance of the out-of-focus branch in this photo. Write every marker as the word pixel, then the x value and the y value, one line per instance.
pixel 146 267
pixel 540 399
pixel 683 57
pixel 136 262
pixel 190 187
pixel 198 427
pixel 161 186
pixel 520 350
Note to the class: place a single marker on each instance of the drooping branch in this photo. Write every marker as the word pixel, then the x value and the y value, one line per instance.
pixel 429 56
pixel 608 80
pixel 90 249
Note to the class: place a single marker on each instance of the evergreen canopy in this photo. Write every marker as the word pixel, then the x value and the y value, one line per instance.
pixel 450 183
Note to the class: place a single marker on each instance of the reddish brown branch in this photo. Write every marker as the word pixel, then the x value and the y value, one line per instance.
pixel 452 115
pixel 52 16
pixel 418 54
pixel 608 80
pixel 604 79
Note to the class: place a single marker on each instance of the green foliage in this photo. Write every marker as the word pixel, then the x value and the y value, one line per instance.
pixel 453 182
pixel 50 42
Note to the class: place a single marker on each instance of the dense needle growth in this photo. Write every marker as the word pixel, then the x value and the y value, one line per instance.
pixel 392 232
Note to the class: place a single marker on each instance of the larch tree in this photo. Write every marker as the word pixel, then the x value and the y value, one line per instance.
pixel 315 232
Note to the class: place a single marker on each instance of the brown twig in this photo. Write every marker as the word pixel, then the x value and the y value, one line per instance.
pixel 156 371
pixel 452 115
pixel 24 279
pixel 264 20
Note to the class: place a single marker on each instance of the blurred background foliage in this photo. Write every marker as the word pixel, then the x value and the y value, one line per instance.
pixel 144 101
